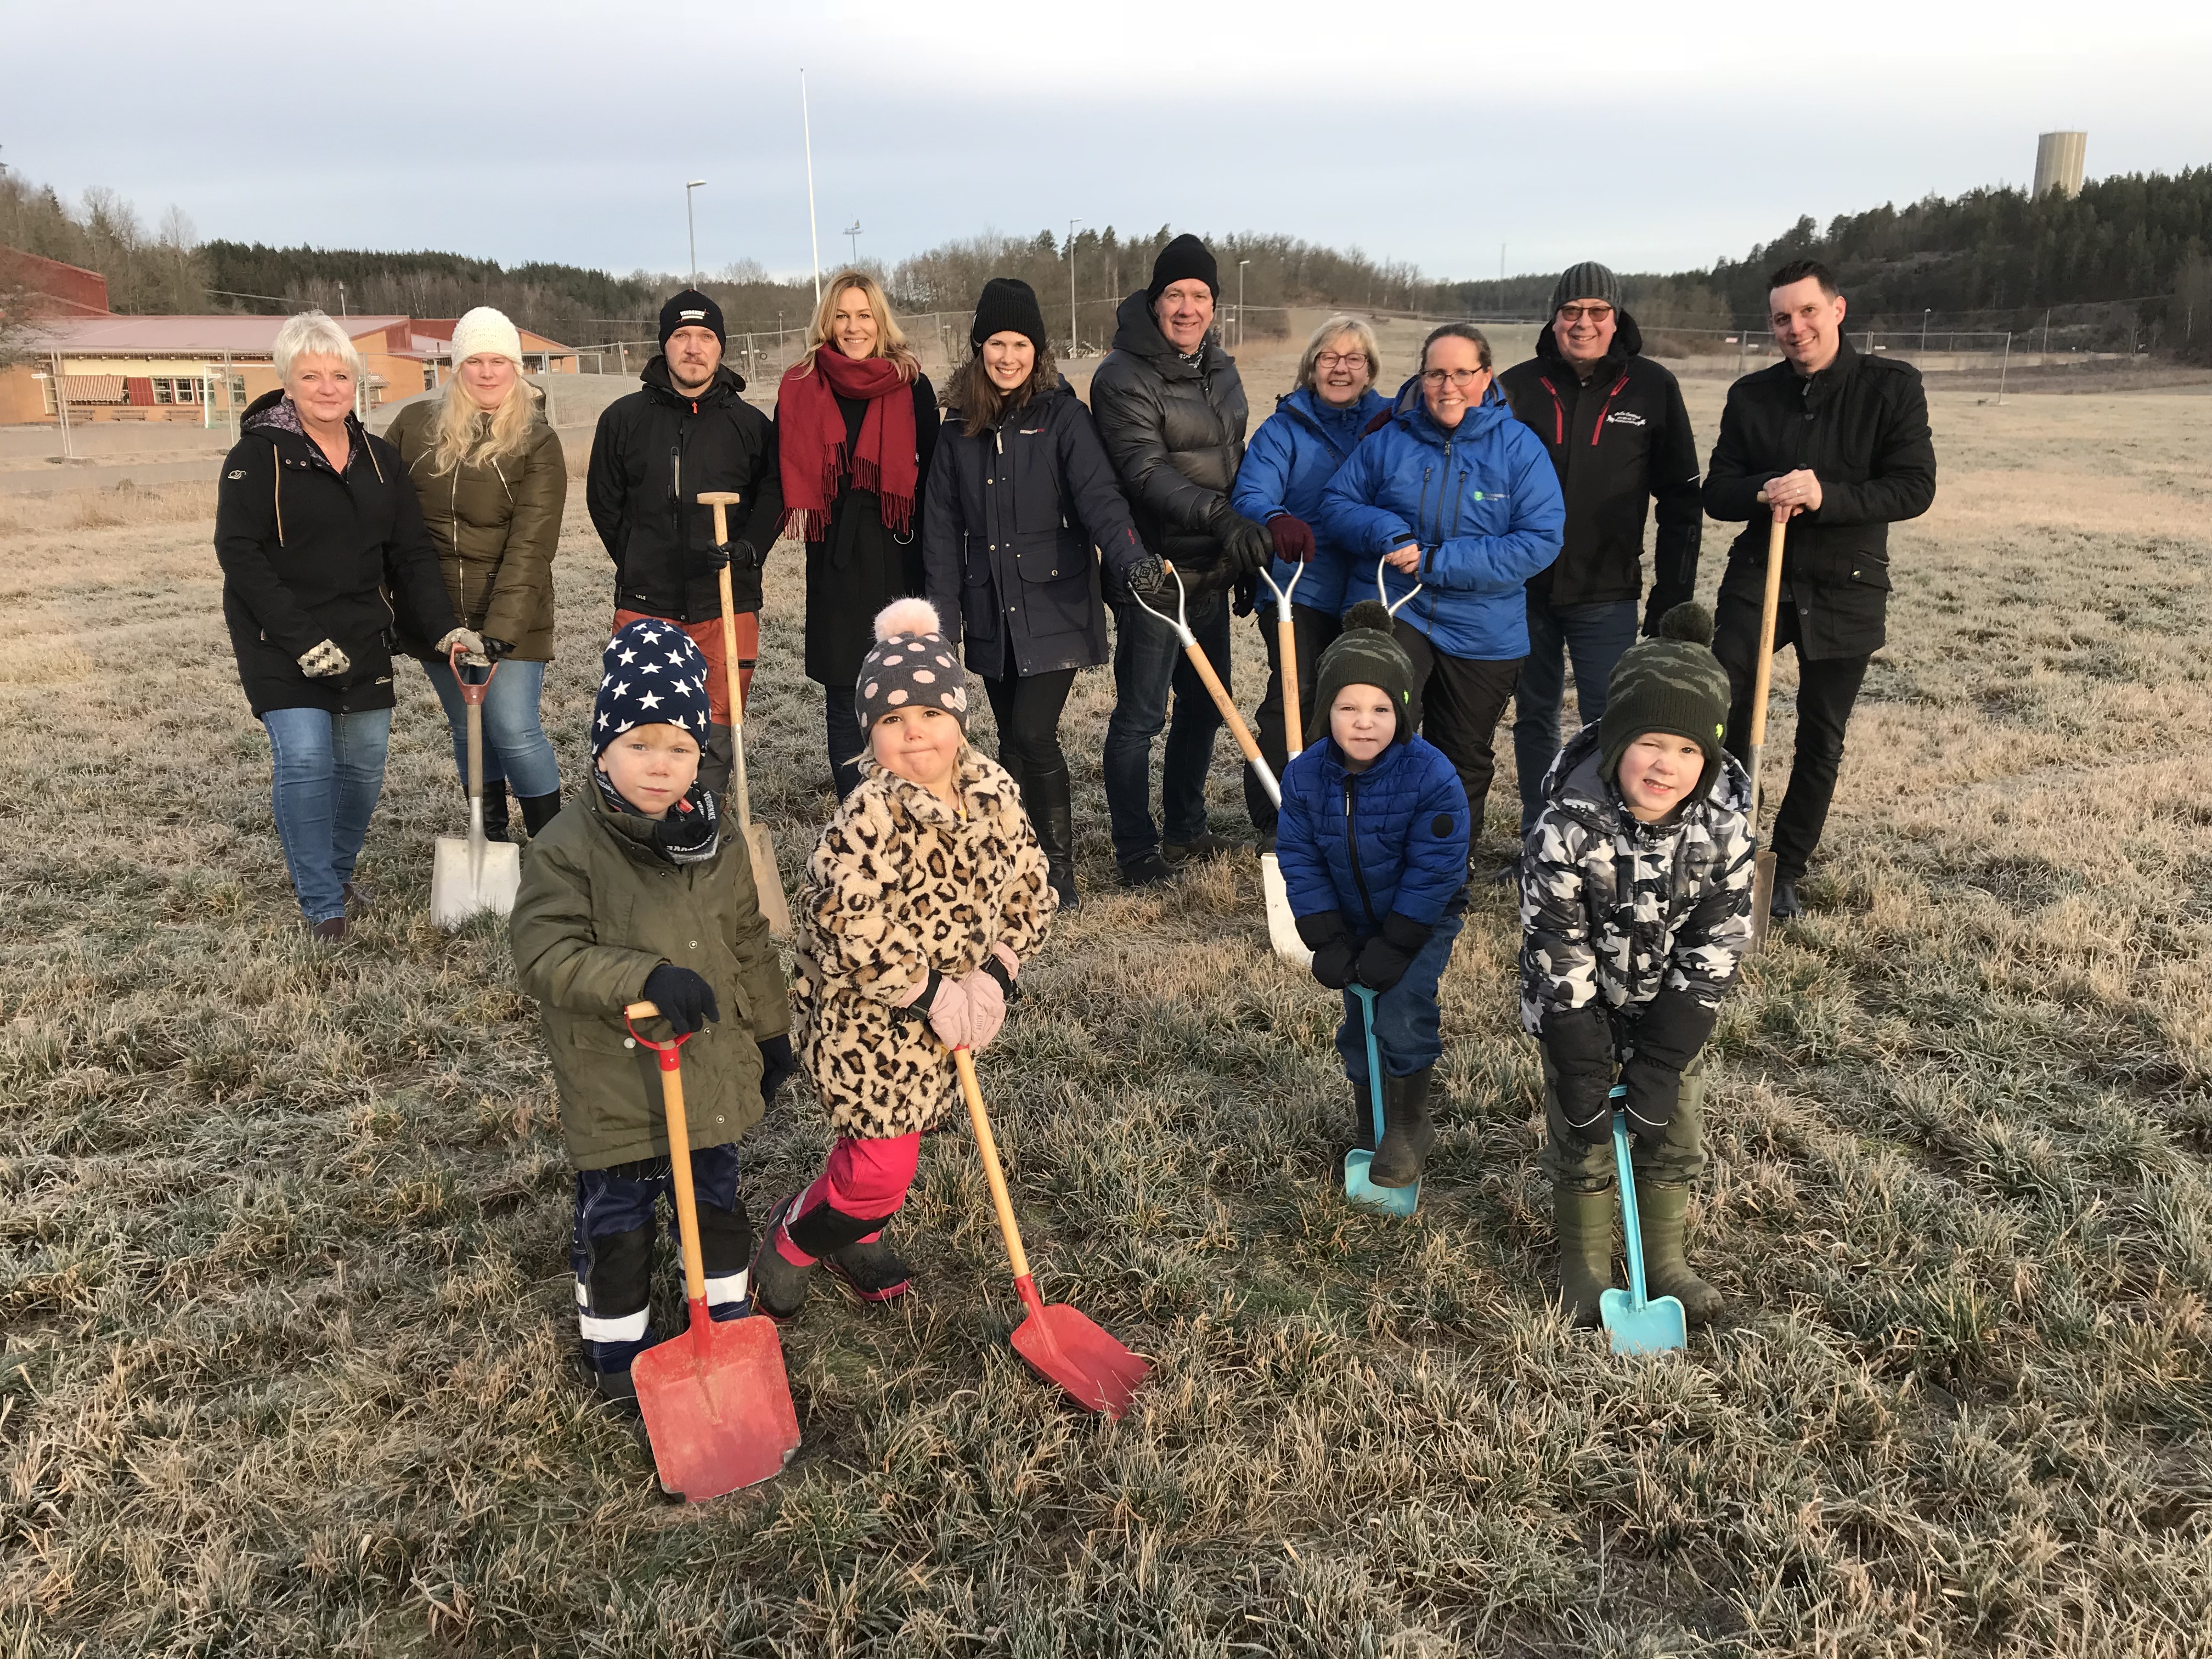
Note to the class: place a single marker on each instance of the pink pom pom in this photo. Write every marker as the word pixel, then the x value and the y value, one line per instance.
pixel 907 616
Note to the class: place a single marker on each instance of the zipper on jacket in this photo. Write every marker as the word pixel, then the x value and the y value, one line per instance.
pixel 1559 411
pixel 1598 425
pixel 1351 845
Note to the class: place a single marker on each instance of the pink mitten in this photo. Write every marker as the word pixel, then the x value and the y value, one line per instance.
pixel 986 1008
pixel 952 1016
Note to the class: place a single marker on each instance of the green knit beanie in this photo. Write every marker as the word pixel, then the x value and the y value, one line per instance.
pixel 1363 654
pixel 1671 682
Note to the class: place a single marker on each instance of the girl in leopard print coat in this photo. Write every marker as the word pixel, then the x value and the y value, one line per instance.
pixel 926 894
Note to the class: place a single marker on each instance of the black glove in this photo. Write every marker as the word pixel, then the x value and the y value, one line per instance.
pixel 1667 1036
pixel 495 649
pixel 777 1065
pixel 1578 1041
pixel 1147 577
pixel 1384 958
pixel 1326 936
pixel 1665 596
pixel 685 1000
pixel 1248 548
pixel 1244 596
pixel 739 554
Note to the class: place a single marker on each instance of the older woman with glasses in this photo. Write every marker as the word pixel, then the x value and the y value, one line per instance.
pixel 1289 462
pixel 1457 501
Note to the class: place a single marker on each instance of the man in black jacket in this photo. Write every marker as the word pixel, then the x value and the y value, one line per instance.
pixel 1619 438
pixel 1170 408
pixel 689 432
pixel 1839 442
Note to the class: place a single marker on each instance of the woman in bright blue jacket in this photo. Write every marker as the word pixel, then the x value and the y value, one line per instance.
pixel 1461 505
pixel 1291 457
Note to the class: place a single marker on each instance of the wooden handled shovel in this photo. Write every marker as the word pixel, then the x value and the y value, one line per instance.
pixel 468 873
pixel 1282 924
pixel 768 878
pixel 1762 869
pixel 716 1401
pixel 1060 1343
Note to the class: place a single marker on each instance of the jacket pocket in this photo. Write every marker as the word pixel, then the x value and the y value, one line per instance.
pixel 1871 568
pixel 979 615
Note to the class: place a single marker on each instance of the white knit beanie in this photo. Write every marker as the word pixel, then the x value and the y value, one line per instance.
pixel 486 333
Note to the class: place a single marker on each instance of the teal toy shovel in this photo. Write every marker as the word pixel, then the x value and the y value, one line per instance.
pixel 1636 1324
pixel 1357 1188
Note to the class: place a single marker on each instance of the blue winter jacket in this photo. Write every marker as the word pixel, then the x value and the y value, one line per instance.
pixel 1294 454
pixel 1481 499
pixel 1392 838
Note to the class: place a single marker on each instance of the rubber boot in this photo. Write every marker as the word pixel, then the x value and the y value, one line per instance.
pixel 494 799
pixel 717 764
pixel 1051 798
pixel 1583 1222
pixel 1664 1212
pixel 871 1270
pixel 1407 1133
pixel 539 811
pixel 779 1284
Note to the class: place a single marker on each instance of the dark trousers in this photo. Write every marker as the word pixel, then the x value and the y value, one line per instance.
pixel 847 742
pixel 1408 1028
pixel 1315 630
pixel 1149 663
pixel 1826 689
pixel 1457 704
pixel 1594 636
pixel 1027 709
pixel 610 1248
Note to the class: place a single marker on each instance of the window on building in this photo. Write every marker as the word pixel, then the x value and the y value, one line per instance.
pixel 160 389
pixel 237 392
pixel 533 362
pixel 429 377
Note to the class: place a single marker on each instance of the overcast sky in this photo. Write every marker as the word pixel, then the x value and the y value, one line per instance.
pixel 1648 136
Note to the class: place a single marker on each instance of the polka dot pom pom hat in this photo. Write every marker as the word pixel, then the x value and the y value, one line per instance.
pixel 910 667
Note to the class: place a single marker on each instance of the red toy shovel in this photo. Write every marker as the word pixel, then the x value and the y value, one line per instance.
pixel 716 1402
pixel 1060 1344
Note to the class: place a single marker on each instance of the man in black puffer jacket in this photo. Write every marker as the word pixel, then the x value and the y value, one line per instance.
pixel 688 431
pixel 1841 441
pixel 1619 440
pixel 1170 408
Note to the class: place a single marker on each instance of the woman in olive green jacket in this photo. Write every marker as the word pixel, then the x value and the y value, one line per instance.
pixel 490 474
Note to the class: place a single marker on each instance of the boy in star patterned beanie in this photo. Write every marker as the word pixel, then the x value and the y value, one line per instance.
pixel 925 896
pixel 632 894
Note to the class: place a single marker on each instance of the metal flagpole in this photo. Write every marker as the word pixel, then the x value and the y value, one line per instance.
pixel 807 126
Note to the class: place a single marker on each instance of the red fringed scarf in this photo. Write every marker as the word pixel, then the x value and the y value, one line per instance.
pixel 810 440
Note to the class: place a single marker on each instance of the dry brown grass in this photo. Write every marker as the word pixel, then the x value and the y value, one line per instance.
pixel 41 515
pixel 283 1296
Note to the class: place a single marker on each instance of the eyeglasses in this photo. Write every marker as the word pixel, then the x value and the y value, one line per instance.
pixel 1434 378
pixel 1572 315
pixel 1344 359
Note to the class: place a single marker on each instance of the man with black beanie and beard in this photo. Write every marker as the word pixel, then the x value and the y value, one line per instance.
pixel 1170 407
pixel 689 432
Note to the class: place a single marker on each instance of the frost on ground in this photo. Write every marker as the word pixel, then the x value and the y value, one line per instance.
pixel 284 1306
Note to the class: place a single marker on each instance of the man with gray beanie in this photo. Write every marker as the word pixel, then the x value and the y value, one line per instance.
pixel 1170 408
pixel 1619 438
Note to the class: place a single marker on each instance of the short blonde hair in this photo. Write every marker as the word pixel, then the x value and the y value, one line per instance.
pixel 891 341
pixel 313 334
pixel 1341 323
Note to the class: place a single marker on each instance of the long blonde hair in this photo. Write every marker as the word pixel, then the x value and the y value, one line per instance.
pixel 471 437
pixel 891 340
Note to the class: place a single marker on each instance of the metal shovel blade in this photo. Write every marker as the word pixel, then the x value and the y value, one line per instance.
pixel 1282 923
pixel 717 1405
pixel 768 880
pixel 1068 1348
pixel 468 875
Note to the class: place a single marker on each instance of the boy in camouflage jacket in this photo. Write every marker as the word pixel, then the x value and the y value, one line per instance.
pixel 1635 910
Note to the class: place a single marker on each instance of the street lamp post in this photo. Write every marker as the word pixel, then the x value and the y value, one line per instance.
pixel 691 225
pixel 1241 264
pixel 1924 316
pixel 1074 333
pixel 854 231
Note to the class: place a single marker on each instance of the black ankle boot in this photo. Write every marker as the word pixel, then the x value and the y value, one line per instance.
pixel 539 811
pixel 1051 798
pixel 494 799
pixel 1407 1133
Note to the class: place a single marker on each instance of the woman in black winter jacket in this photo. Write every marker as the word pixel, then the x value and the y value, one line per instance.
pixel 324 557
pixel 1020 495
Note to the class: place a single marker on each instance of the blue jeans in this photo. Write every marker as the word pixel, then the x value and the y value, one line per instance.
pixel 1594 636
pixel 516 749
pixel 1148 662
pixel 328 772
pixel 1406 1033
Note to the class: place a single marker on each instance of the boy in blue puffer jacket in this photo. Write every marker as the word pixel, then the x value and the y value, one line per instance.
pixel 1460 504
pixel 1372 841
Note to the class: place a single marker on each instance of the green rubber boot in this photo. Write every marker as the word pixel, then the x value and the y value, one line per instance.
pixel 1583 1222
pixel 1665 1212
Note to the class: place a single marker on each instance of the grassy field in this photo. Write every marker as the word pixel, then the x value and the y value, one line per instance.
pixel 285 1319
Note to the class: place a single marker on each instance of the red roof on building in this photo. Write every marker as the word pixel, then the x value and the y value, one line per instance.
pixel 65 290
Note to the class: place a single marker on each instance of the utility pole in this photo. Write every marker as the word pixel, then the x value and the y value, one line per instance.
pixel 342 312
pixel 1241 264
pixel 853 231
pixel 806 127
pixel 1074 334
pixel 61 408
pixel 689 224
pixel 1924 315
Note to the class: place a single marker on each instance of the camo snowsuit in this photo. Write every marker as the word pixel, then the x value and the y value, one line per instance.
pixel 1618 914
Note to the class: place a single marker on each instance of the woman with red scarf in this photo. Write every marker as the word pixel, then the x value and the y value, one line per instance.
pixel 856 424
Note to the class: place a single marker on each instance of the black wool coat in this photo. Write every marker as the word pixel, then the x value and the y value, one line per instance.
pixel 309 554
pixel 861 566
pixel 1619 440
pixel 1015 514
pixel 1861 424
pixel 1174 431
pixel 655 454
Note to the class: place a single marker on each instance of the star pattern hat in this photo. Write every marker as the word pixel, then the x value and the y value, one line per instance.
pixel 651 674
pixel 911 666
